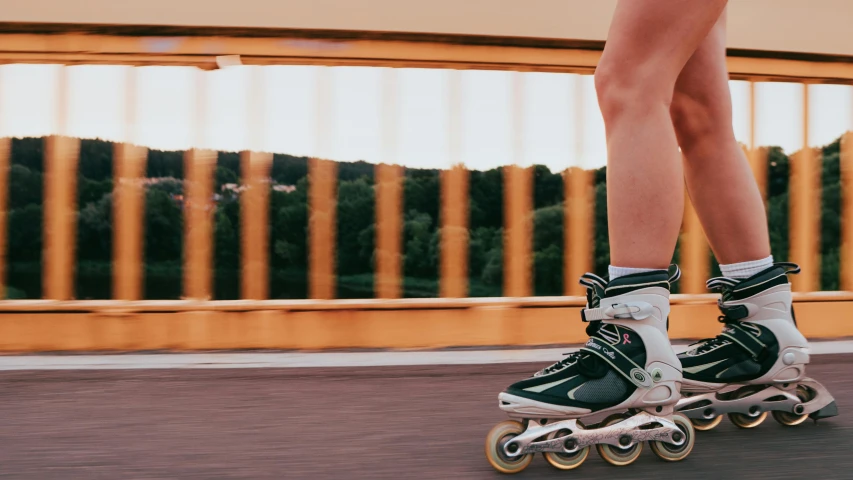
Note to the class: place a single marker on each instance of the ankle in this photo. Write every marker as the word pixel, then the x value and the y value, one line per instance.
pixel 746 269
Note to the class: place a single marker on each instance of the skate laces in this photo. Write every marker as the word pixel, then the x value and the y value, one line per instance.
pixel 571 359
pixel 595 286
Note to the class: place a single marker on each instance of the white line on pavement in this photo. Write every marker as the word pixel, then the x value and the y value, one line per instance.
pixel 320 359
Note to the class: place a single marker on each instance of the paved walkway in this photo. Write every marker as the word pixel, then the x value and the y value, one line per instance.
pixel 395 422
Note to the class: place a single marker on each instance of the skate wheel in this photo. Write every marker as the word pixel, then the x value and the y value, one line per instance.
pixel 674 453
pixel 792 419
pixel 742 420
pixel 565 461
pixel 703 424
pixel 498 436
pixel 616 455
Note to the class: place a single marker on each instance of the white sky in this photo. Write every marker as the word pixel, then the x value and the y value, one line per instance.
pixel 414 117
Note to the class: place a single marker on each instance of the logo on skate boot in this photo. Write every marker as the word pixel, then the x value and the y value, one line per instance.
pixel 604 350
pixel 639 376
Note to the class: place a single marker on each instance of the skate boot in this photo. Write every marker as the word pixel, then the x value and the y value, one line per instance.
pixel 757 364
pixel 627 369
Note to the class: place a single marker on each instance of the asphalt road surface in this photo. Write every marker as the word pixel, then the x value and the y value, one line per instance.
pixel 377 422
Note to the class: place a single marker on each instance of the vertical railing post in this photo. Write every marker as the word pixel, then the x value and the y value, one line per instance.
pixel 128 217
pixel 757 156
pixel 322 181
pixel 694 251
pixel 254 224
pixel 518 206
pixel 846 257
pixel 199 166
pixel 389 222
pixel 60 205
pixel 454 204
pixel 254 198
pixel 389 199
pixel 518 230
pixel 579 227
pixel 454 232
pixel 198 223
pixel 60 216
pixel 129 206
pixel 805 209
pixel 578 203
pixel 322 195
pixel 5 149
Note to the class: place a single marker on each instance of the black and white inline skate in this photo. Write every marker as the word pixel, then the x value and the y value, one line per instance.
pixel 627 369
pixel 757 364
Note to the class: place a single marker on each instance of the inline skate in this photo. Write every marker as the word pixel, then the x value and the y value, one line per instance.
pixel 757 364
pixel 627 370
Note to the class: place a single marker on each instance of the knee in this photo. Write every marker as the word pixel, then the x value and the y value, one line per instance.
pixel 623 88
pixel 699 120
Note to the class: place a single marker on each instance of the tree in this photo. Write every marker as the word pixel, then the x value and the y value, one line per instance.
pixel 25 186
pixel 548 250
pixel 94 230
pixel 355 214
pixel 163 226
pixel 25 234
pixel 417 231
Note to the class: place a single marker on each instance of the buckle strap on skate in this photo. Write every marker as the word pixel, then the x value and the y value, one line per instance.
pixel 621 311
pixel 789 267
pixel 619 361
pixel 733 313
pixel 746 341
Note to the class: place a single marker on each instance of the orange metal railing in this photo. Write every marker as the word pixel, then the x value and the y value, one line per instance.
pixel 61 159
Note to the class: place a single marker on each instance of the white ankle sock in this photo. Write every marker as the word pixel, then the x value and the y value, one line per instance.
pixel 746 269
pixel 616 272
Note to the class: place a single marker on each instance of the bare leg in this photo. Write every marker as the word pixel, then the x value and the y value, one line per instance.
pixel 649 43
pixel 719 180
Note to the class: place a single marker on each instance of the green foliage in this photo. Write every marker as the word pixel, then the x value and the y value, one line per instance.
pixel 165 165
pixel 421 203
pixel 288 239
pixel 25 233
pixel 163 224
pixel 25 186
pixel 548 250
pixel 830 221
pixel 778 167
pixel 98 166
pixel 95 229
pixel 356 233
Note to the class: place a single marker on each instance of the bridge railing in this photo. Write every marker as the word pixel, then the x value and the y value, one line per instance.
pixel 127 322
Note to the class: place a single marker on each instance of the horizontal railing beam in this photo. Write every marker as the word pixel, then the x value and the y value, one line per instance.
pixel 200 47
pixel 492 322
pixel 166 306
